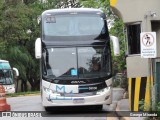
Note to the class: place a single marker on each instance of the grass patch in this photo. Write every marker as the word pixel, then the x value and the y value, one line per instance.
pixel 28 93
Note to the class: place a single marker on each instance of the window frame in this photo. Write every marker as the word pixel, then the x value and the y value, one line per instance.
pixel 126 36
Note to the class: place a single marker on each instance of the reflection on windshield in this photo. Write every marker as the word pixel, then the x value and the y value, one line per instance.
pixel 80 62
pixel 60 61
pixel 73 25
pixel 93 62
pixel 6 77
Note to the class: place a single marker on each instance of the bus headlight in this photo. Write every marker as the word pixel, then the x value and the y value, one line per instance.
pixel 100 92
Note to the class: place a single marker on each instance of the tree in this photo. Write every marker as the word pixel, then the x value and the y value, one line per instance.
pixel 19 16
pixel 101 4
pixel 68 4
pixel 116 29
pixel 14 24
pixel 20 58
pixel 119 62
pixel 18 45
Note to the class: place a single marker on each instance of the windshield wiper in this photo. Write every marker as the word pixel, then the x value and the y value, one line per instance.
pixel 49 78
pixel 58 78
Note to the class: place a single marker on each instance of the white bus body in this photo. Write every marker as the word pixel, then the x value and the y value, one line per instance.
pixel 6 76
pixel 75 56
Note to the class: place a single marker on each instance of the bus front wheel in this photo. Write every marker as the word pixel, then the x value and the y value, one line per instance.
pixel 48 109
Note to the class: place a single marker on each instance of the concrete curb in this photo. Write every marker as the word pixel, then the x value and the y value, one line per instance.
pixel 122 106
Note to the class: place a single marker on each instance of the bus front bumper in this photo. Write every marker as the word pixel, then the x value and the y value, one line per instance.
pixel 101 97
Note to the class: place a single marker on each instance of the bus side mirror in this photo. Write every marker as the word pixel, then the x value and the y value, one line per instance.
pixel 38 48
pixel 16 72
pixel 115 42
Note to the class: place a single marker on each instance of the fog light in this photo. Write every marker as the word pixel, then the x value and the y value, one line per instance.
pixel 105 90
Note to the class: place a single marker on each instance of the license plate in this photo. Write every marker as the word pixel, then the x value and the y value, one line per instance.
pixel 78 100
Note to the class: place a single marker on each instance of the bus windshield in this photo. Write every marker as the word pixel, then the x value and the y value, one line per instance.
pixel 6 77
pixel 76 62
pixel 77 25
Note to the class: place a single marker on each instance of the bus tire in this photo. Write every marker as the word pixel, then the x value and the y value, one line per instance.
pixel 99 107
pixel 47 109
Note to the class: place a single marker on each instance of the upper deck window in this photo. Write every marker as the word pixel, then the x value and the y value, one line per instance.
pixel 75 25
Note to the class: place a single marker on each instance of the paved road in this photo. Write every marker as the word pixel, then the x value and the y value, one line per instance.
pixel 33 103
pixel 25 103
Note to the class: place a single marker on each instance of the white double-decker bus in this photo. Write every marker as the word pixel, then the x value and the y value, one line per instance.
pixel 75 58
pixel 6 76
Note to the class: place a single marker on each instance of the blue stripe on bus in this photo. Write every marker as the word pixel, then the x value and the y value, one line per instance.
pixel 83 88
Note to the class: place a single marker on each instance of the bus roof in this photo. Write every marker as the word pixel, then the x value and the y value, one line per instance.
pixel 66 10
pixel 3 60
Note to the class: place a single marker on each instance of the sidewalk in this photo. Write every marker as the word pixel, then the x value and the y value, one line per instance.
pixel 121 104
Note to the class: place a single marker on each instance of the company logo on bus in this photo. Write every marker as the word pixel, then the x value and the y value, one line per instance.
pixel 78 82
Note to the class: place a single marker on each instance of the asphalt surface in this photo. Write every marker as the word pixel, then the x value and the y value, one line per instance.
pixel 25 106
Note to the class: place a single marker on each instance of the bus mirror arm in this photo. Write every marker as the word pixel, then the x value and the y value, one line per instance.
pixel 116 48
pixel 16 71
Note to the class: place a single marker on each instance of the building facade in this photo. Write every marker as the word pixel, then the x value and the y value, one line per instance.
pixel 140 16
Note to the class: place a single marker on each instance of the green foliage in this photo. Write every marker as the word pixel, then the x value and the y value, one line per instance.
pixel 116 30
pixel 19 58
pixel 141 105
pixel 101 4
pixel 116 82
pixel 156 109
pixel 119 63
pixel 29 93
pixel 19 50
pixel 14 24
pixel 120 80
pixel 16 44
pixel 68 3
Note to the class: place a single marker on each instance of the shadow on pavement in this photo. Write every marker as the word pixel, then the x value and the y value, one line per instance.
pixel 76 111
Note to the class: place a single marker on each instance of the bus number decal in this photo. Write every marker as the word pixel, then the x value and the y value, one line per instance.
pixel 93 88
pixel 50 19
